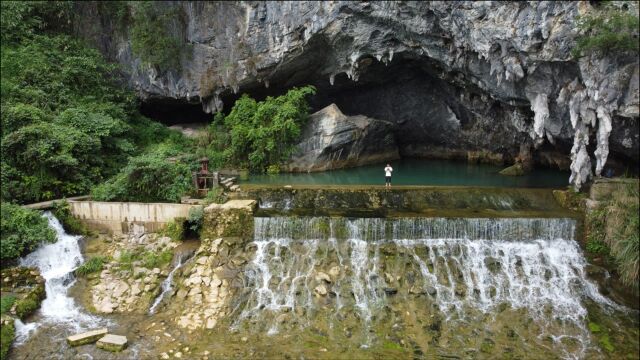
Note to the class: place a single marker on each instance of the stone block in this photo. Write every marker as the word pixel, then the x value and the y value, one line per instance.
pixel 87 337
pixel 112 343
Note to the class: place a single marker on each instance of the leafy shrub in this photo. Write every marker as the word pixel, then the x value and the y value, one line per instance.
pixel 152 260
pixel 215 196
pixel 92 265
pixel 174 229
pixel 6 302
pixel 597 247
pixel 22 230
pixel 194 220
pixel 7 334
pixel 607 29
pixel 147 178
pixel 71 225
pixel 263 133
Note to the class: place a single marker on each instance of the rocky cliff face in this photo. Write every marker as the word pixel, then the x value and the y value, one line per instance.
pixel 454 77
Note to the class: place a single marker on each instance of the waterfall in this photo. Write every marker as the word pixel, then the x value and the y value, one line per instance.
pixel 466 268
pixel 56 263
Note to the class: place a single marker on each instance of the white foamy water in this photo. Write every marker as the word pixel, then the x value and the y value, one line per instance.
pixel 56 263
pixel 167 284
pixel 466 266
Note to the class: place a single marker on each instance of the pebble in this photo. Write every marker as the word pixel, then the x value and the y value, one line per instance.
pixel 178 354
pixel 244 339
pixel 164 355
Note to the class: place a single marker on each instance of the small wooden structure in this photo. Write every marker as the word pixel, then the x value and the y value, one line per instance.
pixel 204 179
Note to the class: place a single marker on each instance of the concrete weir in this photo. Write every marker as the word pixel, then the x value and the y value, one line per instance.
pixel 423 201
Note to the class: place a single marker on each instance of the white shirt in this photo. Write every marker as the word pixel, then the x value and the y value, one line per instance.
pixel 388 170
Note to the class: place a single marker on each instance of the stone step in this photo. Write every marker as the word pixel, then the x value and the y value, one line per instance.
pixel 234 188
pixel 87 337
pixel 112 343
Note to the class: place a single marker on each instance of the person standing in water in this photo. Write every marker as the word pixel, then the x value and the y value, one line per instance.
pixel 387 175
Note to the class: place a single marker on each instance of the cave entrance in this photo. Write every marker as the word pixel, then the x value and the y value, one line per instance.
pixel 175 112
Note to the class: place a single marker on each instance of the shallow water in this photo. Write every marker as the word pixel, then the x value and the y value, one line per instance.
pixel 421 172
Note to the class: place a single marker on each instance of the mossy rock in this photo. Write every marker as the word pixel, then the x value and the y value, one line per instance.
pixel 513 170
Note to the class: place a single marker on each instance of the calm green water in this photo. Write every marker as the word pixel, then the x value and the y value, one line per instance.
pixel 421 172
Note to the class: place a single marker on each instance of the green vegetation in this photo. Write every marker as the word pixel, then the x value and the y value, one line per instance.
pixel 26 307
pixel 261 134
pixel 194 220
pixel 174 229
pixel 30 303
pixel 6 302
pixel 156 33
pixel 67 122
pixel 152 260
pixel 7 334
pixel 606 29
pixel 22 231
pixel 71 225
pixel 625 241
pixel 215 196
pixel 148 178
pixel 92 265
pixel 612 231
pixel 147 259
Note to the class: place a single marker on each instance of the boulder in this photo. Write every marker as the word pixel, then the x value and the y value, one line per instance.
pixel 513 170
pixel 112 343
pixel 86 337
pixel 332 140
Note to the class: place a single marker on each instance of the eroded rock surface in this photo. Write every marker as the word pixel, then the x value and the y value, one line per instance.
pixel 453 76
pixel 332 140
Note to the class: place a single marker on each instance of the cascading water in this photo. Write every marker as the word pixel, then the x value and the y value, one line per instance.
pixel 56 263
pixel 168 282
pixel 462 270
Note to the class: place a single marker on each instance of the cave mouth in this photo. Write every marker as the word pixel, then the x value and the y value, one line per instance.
pixel 174 112
pixel 435 117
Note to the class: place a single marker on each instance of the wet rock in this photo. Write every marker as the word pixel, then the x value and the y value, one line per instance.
pixel 211 323
pixel 431 290
pixel 492 264
pixel 390 291
pixel 334 271
pixel 87 337
pixel 112 343
pixel 320 276
pixel 320 290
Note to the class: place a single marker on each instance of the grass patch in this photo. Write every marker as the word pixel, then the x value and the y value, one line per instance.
pixel 6 302
pixel 7 334
pixel 605 343
pixel 390 345
pixel 594 328
pixel 126 259
pixel 92 265
pixel 624 241
pixel 152 260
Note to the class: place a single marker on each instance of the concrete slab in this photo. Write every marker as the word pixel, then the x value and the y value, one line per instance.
pixel 87 337
pixel 112 343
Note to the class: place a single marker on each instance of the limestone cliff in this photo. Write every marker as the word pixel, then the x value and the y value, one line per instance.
pixel 454 77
